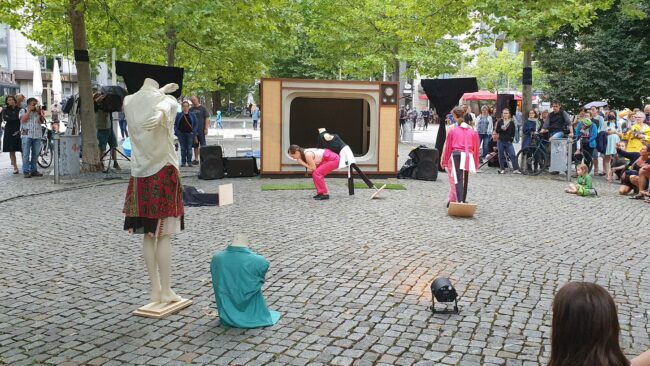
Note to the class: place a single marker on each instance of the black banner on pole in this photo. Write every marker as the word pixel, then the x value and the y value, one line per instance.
pixel 527 77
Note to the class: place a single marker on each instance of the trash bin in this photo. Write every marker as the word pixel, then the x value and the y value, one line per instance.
pixel 69 155
pixel 559 155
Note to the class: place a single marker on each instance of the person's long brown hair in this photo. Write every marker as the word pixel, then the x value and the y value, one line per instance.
pixel 585 327
pixel 294 148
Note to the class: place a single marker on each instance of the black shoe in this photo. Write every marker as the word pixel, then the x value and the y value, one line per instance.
pixel 316 196
pixel 36 174
pixel 195 162
pixel 27 175
pixel 322 197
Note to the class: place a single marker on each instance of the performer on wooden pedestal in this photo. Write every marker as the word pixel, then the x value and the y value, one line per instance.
pixel 460 156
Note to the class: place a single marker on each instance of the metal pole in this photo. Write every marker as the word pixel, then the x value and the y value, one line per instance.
pixel 55 157
pixel 113 74
pixel 569 159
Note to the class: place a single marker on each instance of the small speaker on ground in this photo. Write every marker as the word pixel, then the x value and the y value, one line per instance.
pixel 427 168
pixel 211 162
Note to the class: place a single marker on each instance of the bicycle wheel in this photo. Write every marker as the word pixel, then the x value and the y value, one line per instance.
pixel 45 156
pixel 531 161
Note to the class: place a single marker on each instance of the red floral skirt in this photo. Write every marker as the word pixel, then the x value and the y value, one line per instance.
pixel 150 199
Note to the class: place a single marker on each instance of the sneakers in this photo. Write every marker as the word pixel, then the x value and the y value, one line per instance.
pixel 183 165
pixel 27 175
pixel 502 171
pixel 316 196
pixel 195 162
pixel 36 174
pixel 322 197
pixel 516 172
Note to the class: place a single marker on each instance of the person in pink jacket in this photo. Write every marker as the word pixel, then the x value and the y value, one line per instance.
pixel 460 156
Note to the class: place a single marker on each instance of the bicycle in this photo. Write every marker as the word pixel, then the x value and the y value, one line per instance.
pixel 532 160
pixel 47 147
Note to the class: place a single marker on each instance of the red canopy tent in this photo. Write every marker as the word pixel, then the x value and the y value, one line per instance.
pixel 483 95
pixel 479 95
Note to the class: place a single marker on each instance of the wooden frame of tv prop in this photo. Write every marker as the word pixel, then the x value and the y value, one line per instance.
pixel 365 114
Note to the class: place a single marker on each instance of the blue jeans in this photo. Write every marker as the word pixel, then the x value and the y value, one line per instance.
pixel 123 131
pixel 31 148
pixel 505 147
pixel 186 139
pixel 555 135
pixel 484 138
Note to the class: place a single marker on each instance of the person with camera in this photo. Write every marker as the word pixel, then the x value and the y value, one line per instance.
pixel 31 134
pixel 638 135
pixel 105 133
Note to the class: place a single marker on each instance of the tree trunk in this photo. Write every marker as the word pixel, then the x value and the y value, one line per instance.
pixel 171 46
pixel 90 158
pixel 527 90
pixel 396 64
pixel 216 100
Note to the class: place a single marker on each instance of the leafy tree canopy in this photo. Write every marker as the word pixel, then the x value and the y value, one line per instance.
pixel 218 43
pixel 608 60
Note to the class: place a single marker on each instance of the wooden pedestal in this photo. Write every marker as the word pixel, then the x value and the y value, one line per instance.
pixel 159 310
pixel 460 209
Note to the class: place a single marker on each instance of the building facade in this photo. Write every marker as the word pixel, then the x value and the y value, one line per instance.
pixel 17 68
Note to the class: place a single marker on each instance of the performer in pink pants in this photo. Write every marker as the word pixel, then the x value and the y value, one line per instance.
pixel 320 161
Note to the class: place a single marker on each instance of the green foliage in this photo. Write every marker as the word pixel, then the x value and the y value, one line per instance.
pixel 360 38
pixel 525 21
pixel 217 43
pixel 499 71
pixel 606 61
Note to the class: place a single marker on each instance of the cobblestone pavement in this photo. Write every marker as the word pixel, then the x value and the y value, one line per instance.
pixel 350 276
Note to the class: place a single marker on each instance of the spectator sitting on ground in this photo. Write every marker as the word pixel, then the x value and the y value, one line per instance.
pixel 630 178
pixel 585 328
pixel 583 185
pixel 492 155
pixel 618 163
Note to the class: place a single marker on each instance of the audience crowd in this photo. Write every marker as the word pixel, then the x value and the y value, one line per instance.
pixel 615 144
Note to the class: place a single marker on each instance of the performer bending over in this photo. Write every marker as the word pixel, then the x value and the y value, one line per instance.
pixel 460 156
pixel 335 143
pixel 320 162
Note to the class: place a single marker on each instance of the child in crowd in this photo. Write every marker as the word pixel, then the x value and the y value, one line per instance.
pixel 583 184
pixel 618 163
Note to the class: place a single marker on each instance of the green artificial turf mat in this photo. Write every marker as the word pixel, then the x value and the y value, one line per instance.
pixel 307 186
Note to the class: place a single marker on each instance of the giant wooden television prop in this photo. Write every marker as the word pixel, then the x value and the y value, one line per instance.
pixel 364 114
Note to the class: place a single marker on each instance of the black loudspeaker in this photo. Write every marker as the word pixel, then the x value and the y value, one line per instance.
pixel 241 167
pixel 427 168
pixel 503 102
pixel 211 162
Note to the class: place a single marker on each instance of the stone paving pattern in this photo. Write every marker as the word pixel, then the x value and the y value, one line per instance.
pixel 350 276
